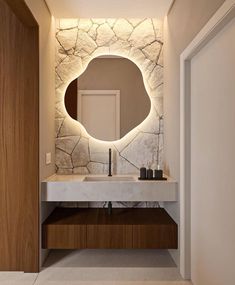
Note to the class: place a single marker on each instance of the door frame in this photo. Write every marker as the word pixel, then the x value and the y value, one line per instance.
pixel 221 18
pixel 116 93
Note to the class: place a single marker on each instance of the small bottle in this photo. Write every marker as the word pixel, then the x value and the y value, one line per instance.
pixel 149 174
pixel 158 173
pixel 143 172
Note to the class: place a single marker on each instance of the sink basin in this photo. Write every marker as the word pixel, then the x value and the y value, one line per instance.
pixel 108 178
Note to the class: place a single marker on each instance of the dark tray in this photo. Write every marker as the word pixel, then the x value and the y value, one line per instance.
pixel 153 179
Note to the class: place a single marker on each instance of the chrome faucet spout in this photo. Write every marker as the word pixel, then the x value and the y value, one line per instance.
pixel 110 162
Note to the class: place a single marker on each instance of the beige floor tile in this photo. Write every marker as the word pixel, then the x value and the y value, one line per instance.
pixel 109 275
pixel 109 267
pixel 110 258
pixel 17 278
pixel 117 283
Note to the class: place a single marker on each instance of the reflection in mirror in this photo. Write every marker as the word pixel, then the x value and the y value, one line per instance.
pixel 109 99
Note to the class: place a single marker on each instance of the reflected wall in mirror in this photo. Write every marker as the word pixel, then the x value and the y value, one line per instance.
pixel 109 99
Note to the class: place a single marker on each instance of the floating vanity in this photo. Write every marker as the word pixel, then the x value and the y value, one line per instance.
pixel 88 188
pixel 139 228
pixel 77 228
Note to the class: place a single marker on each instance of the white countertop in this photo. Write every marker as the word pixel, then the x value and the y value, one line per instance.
pixel 59 188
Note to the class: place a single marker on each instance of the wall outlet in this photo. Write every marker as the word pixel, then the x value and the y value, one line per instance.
pixel 48 158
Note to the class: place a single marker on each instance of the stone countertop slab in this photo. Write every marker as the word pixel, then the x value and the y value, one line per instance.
pixel 73 188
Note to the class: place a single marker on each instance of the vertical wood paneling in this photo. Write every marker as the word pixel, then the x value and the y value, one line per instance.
pixel 19 135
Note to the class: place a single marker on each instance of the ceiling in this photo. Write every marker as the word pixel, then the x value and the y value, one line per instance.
pixel 109 8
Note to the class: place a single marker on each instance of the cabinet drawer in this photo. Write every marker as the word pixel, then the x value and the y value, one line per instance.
pixel 109 236
pixel 64 236
pixel 155 236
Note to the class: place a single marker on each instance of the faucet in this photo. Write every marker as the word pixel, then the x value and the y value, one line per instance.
pixel 110 162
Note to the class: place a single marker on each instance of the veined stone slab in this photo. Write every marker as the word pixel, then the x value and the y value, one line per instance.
pixel 160 59
pixel 148 67
pixel 98 21
pixel 81 41
pixel 122 166
pixel 152 125
pixel 121 144
pixel 80 155
pixel 156 77
pixel 120 47
pixel 122 29
pixel 152 51
pixel 111 22
pixel 58 81
pixel 158 105
pixel 85 42
pixel 99 152
pixel 65 171
pixel 104 50
pixel 69 128
pixel 67 144
pixel 135 22
pixel 158 92
pixel 69 68
pixel 104 34
pixel 58 124
pixel 63 160
pixel 142 151
pixel 84 24
pixel 158 27
pixel 96 168
pixel 140 38
pixel 93 32
pixel 67 38
pixel 80 170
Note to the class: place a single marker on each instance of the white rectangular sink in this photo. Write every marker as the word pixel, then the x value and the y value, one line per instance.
pixel 97 188
pixel 108 178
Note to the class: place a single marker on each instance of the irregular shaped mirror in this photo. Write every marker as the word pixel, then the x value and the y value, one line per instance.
pixel 109 99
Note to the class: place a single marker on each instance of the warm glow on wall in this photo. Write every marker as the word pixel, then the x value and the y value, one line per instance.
pixel 78 42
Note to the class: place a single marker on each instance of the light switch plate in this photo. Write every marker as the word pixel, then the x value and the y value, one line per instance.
pixel 48 158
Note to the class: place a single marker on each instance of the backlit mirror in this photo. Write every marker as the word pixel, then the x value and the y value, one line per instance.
pixel 109 99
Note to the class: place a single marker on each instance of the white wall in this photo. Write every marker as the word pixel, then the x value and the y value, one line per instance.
pixel 212 164
pixel 184 21
pixel 46 90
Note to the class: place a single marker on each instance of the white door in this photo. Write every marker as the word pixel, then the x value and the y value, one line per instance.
pixel 99 112
pixel 212 160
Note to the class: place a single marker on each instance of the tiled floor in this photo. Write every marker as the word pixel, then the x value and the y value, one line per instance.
pixel 102 267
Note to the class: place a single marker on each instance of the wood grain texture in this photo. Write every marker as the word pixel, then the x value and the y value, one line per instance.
pixel 152 236
pixel 66 236
pixel 125 228
pixel 19 136
pixel 109 236
pixel 22 12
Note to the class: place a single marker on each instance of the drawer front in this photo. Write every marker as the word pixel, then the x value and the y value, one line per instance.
pixel 109 236
pixel 155 236
pixel 64 236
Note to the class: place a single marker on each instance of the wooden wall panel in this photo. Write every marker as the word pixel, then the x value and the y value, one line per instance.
pixel 19 137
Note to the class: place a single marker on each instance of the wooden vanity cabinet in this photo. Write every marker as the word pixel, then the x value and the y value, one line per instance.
pixel 68 228
pixel 109 236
